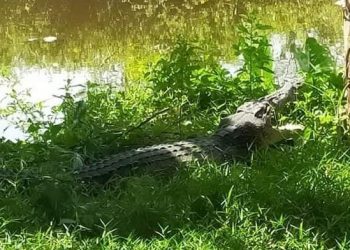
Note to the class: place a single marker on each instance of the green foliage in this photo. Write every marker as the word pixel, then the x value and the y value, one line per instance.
pixel 285 198
pixel 319 99
pixel 4 71
pixel 188 75
pixel 253 45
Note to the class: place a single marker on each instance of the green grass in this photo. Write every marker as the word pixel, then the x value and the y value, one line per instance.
pixel 284 197
pixel 288 198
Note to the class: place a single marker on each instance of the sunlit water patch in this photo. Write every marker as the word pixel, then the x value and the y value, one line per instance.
pixel 47 86
pixel 86 34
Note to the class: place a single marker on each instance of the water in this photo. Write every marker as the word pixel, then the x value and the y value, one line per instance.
pixel 47 44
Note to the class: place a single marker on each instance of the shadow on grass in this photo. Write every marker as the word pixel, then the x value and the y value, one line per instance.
pixel 308 185
pixel 305 185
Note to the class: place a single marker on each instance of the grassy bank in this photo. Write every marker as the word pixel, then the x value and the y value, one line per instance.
pixel 284 197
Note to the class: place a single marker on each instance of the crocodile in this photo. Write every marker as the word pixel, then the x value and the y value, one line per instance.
pixel 237 135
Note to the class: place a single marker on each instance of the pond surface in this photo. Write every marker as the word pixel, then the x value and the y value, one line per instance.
pixel 47 44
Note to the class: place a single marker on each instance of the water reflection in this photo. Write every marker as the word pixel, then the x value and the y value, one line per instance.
pixel 88 31
pixel 47 86
pixel 49 43
pixel 43 84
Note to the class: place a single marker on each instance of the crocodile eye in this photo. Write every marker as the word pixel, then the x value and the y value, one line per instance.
pixel 260 113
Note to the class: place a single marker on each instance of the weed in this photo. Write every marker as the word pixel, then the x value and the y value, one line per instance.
pixel 189 76
pixel 255 76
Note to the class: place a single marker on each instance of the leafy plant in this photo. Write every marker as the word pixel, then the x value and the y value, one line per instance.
pixel 188 75
pixel 255 77
pixel 321 93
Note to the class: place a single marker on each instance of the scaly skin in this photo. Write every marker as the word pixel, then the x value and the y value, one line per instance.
pixel 157 157
pixel 249 128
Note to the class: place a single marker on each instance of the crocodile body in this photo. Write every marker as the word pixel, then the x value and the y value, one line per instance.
pixel 158 158
pixel 249 128
pixel 235 136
